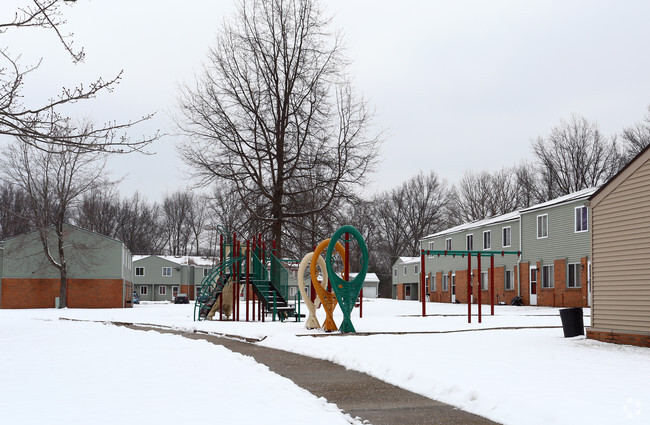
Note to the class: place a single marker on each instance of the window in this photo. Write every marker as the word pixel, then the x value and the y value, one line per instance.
pixel 509 283
pixel 206 272
pixel 445 282
pixel 448 244
pixel 484 281
pixel 405 270
pixel 174 289
pixel 487 244
pixel 292 291
pixel 162 290
pixel 394 272
pixel 582 220
pixel 507 236
pixel 143 290
pixel 469 242
pixel 542 226
pixel 139 271
pixel 547 277
pixel 166 271
pixel 430 249
pixel 433 283
pixel 416 269
pixel 573 279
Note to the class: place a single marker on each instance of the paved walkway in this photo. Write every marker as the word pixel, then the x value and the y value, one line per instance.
pixel 357 394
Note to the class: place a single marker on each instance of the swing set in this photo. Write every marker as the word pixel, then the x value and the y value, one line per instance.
pixel 469 255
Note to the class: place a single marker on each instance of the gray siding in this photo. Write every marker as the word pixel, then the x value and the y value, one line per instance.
pixel 562 242
pixel 154 279
pixel 621 253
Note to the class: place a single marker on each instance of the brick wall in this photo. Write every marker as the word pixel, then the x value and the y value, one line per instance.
pixel 619 338
pixel 400 291
pixel 82 293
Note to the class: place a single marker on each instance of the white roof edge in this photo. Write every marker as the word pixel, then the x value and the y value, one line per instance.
pixel 584 193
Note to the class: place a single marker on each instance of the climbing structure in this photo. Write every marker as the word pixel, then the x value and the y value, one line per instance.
pixel 249 270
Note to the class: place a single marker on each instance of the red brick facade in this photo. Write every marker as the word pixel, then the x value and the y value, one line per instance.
pixel 619 338
pixel 82 293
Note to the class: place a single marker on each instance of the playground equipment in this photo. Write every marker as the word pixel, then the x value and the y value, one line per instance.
pixel 250 269
pixel 312 321
pixel 344 292
pixel 478 255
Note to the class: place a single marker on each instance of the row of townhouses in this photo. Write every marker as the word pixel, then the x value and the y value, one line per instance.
pixel 553 268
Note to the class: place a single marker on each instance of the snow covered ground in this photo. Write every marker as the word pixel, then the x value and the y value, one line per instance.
pixel 514 368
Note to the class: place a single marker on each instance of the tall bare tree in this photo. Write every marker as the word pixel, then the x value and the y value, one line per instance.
pixel 54 180
pixel 273 110
pixel 637 137
pixel 99 211
pixel 177 210
pixel 14 211
pixel 575 156
pixel 37 123
pixel 140 225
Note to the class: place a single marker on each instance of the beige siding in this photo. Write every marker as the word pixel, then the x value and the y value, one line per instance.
pixel 621 253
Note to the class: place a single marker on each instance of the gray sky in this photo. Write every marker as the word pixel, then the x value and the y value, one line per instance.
pixel 456 85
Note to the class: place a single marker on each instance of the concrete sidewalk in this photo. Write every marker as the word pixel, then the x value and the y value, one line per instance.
pixel 357 394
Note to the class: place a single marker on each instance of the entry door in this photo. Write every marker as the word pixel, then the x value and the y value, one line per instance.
pixel 533 286
pixel 453 288
pixel 407 291
pixel 589 289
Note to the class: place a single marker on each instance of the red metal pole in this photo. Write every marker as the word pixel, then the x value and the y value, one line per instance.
pixel 469 288
pixel 492 285
pixel 220 249
pixel 480 289
pixel 248 277
pixel 424 303
pixel 346 267
pixel 234 275
pixel 361 304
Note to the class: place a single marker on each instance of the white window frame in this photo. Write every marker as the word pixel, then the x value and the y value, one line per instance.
pixel 578 222
pixel 407 289
pixel 469 241
pixel 143 290
pixel 448 244
pixel 431 249
pixel 432 283
pixel 175 287
pixel 489 240
pixel 165 269
pixel 416 269
pixel 484 281
pixel 162 290
pixel 445 282
pixel 576 275
pixel 548 273
pixel 406 270
pixel 503 236
pixel 542 228
pixel 139 268
pixel 509 277
pixel 206 272
pixel 395 272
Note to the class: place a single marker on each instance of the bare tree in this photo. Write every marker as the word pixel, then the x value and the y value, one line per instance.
pixel 637 137
pixel 196 219
pixel 177 210
pixel 140 226
pixel 54 179
pixel 14 211
pixel 470 199
pixel 273 109
pixel 37 124
pixel 99 211
pixel 575 156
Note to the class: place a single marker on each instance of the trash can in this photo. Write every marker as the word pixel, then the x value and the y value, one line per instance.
pixel 572 323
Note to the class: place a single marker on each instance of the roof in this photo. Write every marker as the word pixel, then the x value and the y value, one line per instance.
pixel 183 260
pixel 75 227
pixel 476 224
pixel 408 260
pixel 581 194
pixel 370 277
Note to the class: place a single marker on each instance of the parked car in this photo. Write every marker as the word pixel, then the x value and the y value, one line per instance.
pixel 182 299
pixel 136 298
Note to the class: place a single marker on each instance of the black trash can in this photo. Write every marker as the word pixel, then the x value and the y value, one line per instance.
pixel 572 323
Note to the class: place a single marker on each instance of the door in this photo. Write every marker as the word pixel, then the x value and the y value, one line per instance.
pixel 533 286
pixel 407 291
pixel 453 288
pixel 589 289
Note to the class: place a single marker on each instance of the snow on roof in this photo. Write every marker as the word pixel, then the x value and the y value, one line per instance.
pixel 370 277
pixel 409 259
pixel 584 193
pixel 185 260
pixel 475 224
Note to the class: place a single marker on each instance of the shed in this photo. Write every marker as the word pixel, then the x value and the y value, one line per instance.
pixel 620 250
pixel 370 285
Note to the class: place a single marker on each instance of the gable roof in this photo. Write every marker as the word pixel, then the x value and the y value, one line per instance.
pixel 476 224
pixel 183 260
pixel 581 194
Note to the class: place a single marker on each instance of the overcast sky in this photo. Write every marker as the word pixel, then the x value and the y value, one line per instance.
pixel 456 85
